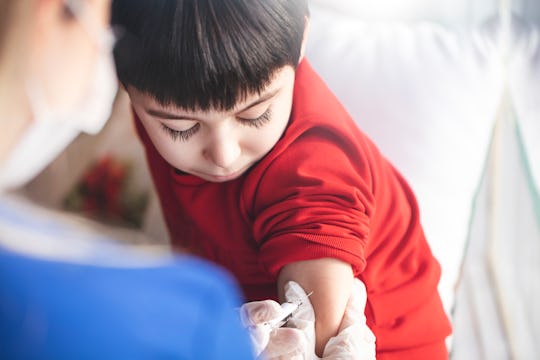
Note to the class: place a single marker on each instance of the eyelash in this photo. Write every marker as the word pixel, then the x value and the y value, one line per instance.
pixel 181 135
pixel 186 134
pixel 258 122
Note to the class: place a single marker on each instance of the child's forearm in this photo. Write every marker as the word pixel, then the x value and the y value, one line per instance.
pixel 330 280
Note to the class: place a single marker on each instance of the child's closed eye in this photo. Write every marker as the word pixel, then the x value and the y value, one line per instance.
pixel 182 135
pixel 258 121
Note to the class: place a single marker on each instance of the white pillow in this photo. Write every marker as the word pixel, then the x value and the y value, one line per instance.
pixel 463 12
pixel 525 90
pixel 427 96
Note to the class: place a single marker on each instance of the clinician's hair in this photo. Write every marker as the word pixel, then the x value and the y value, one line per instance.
pixel 203 54
pixel 5 14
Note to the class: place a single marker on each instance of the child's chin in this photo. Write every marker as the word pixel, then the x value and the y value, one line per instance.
pixel 219 179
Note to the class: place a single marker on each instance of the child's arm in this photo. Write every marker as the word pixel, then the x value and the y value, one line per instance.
pixel 331 282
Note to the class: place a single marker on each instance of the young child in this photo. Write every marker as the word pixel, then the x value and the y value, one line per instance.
pixel 261 170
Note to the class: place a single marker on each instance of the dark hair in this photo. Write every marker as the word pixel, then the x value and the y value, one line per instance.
pixel 202 54
pixel 5 18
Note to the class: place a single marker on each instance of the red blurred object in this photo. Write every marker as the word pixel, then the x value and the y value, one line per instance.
pixel 104 193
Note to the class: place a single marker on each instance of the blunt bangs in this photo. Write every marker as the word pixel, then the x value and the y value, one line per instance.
pixel 206 54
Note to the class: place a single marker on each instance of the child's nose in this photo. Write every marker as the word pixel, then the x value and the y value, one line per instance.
pixel 223 152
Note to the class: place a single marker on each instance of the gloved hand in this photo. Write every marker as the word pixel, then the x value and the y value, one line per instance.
pixel 297 340
pixel 281 342
pixel 355 340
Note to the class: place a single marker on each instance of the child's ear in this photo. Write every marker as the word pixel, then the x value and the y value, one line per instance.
pixel 304 40
pixel 122 85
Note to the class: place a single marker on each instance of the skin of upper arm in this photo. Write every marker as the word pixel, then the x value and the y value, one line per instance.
pixel 330 280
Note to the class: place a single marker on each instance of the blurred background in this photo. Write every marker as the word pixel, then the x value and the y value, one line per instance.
pixel 449 90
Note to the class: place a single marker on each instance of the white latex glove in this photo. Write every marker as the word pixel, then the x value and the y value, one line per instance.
pixel 283 342
pixel 354 341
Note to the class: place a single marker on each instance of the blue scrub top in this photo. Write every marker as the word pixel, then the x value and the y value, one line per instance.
pixel 175 307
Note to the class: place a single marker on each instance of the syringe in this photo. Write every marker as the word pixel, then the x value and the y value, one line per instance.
pixel 287 311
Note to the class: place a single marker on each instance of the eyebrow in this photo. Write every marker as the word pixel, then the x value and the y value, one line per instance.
pixel 168 116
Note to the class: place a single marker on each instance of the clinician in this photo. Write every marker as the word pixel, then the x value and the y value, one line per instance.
pixel 65 294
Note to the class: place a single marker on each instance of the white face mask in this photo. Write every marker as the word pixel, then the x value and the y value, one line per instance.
pixel 53 129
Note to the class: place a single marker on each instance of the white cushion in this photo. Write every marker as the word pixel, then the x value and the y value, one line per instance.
pixel 454 12
pixel 428 97
pixel 525 90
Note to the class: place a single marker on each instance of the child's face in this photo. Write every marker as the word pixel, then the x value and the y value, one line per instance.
pixel 214 145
